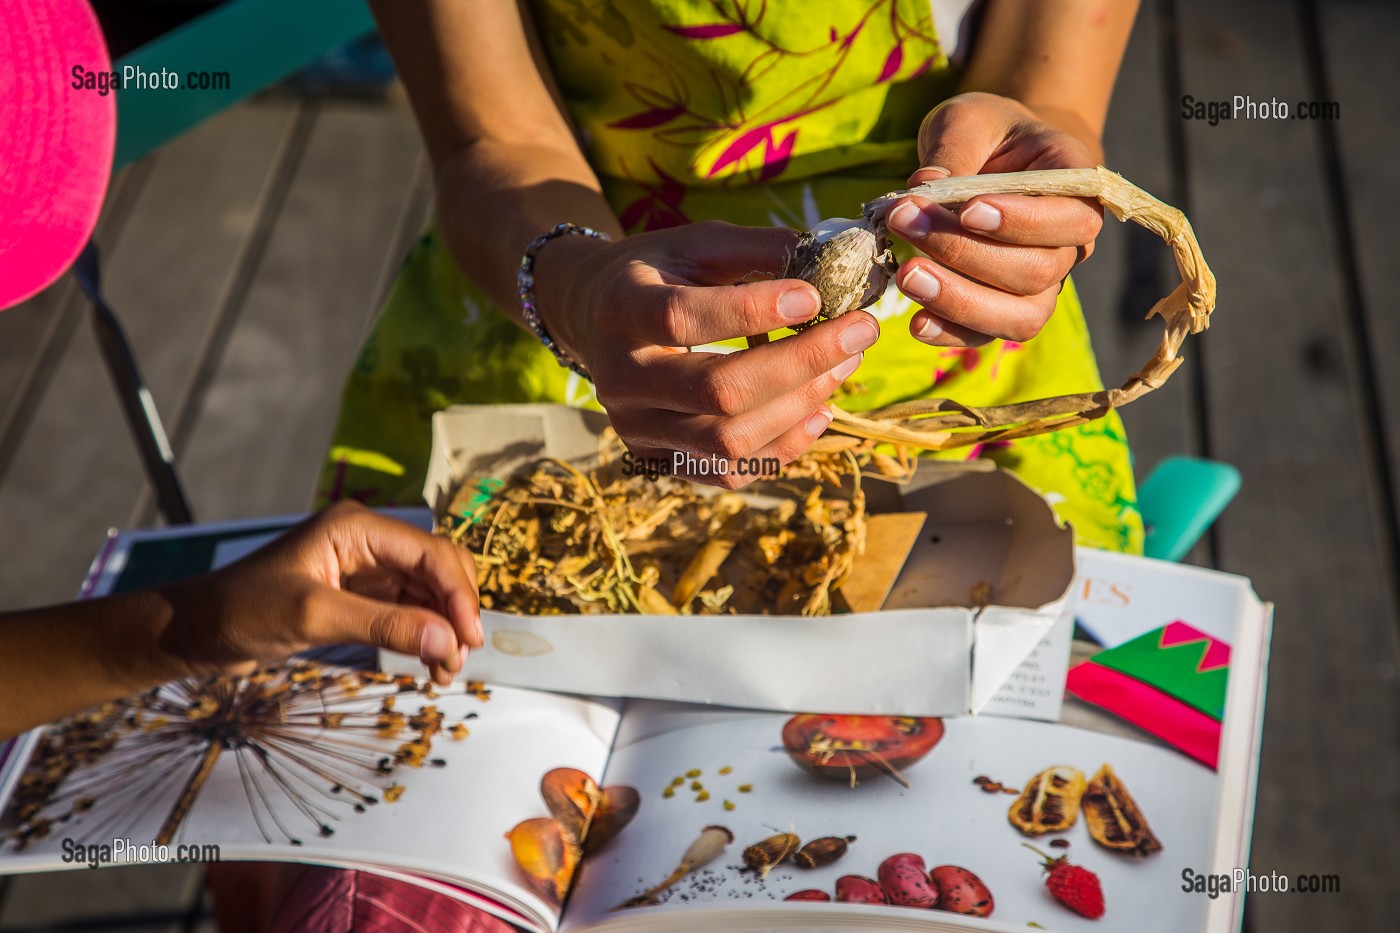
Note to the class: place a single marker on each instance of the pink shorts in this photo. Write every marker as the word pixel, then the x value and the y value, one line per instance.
pixel 282 898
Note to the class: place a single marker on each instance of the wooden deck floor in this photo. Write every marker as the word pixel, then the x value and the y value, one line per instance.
pixel 247 259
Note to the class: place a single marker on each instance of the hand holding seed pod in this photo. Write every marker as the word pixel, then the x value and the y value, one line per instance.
pixel 848 266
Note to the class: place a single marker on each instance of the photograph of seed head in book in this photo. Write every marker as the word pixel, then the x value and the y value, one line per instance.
pixel 692 810
pixel 320 764
pixel 560 813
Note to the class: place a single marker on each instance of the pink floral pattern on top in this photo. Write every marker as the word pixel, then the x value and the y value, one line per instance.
pixel 784 89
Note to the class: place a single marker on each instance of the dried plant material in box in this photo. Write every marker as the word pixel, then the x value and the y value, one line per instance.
pixel 561 538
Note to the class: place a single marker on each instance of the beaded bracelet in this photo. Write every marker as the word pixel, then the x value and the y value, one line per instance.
pixel 525 285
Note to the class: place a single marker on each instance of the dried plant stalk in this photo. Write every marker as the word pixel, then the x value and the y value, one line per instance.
pixel 941 423
pixel 558 538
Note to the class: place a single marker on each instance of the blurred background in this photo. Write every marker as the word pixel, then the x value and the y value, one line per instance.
pixel 247 257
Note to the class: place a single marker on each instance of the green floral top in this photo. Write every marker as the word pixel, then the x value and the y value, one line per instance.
pixel 760 112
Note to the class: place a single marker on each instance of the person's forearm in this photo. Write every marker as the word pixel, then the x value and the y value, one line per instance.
pixel 1058 57
pixel 495 196
pixel 63 659
pixel 506 162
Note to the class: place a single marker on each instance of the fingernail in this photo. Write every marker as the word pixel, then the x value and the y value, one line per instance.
pixel 920 284
pixel 817 423
pixel 907 220
pixel 859 336
pixel 462 656
pixel 798 304
pixel 980 216
pixel 843 370
pixel 437 644
pixel 921 174
pixel 926 327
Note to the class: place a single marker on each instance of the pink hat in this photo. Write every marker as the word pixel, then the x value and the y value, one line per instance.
pixel 56 141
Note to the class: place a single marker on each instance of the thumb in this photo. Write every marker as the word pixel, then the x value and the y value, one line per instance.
pixel 959 137
pixel 409 630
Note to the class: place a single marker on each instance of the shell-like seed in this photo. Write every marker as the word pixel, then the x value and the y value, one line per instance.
pixel 763 856
pixel 822 852
pixel 847 262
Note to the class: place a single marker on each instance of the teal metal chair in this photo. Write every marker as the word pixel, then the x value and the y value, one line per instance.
pixel 255 43
pixel 1180 499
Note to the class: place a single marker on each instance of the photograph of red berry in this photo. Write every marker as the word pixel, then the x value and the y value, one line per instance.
pixel 1074 886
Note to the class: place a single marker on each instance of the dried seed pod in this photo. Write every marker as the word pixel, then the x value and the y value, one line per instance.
pixel 857 889
pixel 961 892
pixel 1050 801
pixel 822 852
pixel 847 261
pixel 548 854
pixel 707 847
pixel 1113 817
pixel 848 748
pixel 764 856
pixel 905 881
pixel 616 807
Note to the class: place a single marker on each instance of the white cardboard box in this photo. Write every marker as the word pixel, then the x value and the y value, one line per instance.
pixel 926 653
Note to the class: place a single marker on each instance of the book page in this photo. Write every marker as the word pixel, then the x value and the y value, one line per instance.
pixel 445 819
pixel 1036 689
pixel 750 783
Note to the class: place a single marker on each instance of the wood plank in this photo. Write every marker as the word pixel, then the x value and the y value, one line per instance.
pixel 266 419
pixel 1364 141
pixel 76 472
pixel 36 334
pixel 1130 268
pixel 1306 527
pixel 22 336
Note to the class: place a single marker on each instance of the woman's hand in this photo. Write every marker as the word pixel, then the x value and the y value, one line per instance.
pixel 628 311
pixel 346 574
pixel 996 266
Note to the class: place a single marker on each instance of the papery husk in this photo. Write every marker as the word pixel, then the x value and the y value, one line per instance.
pixel 942 423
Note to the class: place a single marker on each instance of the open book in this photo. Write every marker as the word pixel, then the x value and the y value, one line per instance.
pixel 564 813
